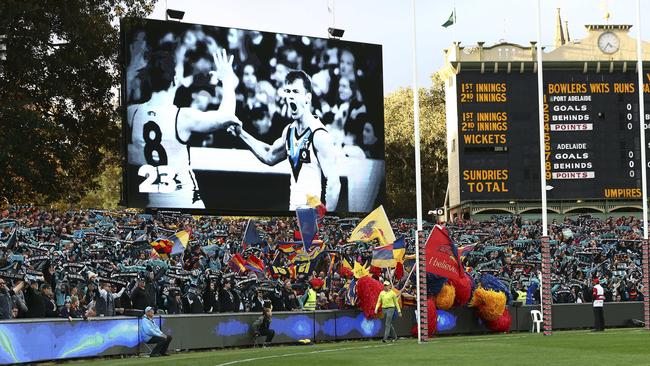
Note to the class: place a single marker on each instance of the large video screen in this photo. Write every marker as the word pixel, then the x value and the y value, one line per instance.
pixel 232 120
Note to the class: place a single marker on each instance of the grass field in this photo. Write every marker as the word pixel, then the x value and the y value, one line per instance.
pixel 612 347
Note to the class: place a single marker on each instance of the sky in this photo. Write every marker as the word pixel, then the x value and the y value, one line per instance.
pixel 390 23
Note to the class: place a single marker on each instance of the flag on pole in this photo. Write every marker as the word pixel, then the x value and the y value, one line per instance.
pixel 292 271
pixel 308 225
pixel 315 203
pixel 399 250
pixel 374 226
pixel 399 271
pixel 288 247
pixel 388 256
pixel 255 264
pixel 346 264
pixel 382 257
pixel 278 271
pixel 316 249
pixel 442 256
pixel 180 240
pixel 465 249
pixel 451 20
pixel 360 270
pixel 301 255
pixel 163 246
pixel 251 236
pixel 237 263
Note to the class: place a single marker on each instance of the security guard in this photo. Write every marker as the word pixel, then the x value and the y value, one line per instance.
pixel 388 302
pixel 309 299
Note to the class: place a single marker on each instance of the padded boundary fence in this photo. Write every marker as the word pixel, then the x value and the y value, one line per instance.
pixel 23 341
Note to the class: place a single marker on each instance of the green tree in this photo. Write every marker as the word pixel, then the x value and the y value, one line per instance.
pixel 400 149
pixel 106 194
pixel 58 100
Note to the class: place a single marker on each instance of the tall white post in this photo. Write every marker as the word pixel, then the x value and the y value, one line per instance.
pixel 639 69
pixel 540 106
pixel 544 285
pixel 418 177
pixel 644 188
pixel 416 121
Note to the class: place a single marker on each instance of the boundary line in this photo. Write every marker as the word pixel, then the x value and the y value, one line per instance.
pixel 301 353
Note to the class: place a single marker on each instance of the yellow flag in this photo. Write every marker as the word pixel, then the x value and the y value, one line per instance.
pixel 313 201
pixel 374 226
pixel 360 270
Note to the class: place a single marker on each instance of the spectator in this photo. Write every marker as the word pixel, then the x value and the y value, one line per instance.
pixel 211 298
pixel 258 302
pixel 228 300
pixel 175 304
pixel 105 304
pixel 290 300
pixel 71 309
pixel 140 296
pixel 322 303
pixel 333 303
pixel 91 292
pixel 49 302
pixel 194 302
pixel 6 300
pixel 409 299
pixel 35 301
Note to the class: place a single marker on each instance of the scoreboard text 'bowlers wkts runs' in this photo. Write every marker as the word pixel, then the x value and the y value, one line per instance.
pixel 591 135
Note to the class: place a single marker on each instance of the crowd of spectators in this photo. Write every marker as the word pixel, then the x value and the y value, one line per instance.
pixel 91 263
pixel 346 81
pixel 581 248
pixel 80 264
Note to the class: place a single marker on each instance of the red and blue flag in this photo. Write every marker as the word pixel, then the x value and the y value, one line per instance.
pixel 308 224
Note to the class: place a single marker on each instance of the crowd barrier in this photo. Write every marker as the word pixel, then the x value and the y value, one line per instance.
pixel 24 341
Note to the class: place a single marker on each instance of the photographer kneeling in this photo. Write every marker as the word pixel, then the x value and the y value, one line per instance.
pixel 262 326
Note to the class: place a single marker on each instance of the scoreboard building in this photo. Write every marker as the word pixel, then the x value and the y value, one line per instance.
pixel 591 125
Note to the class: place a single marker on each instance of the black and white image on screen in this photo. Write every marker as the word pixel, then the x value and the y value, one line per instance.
pixel 208 167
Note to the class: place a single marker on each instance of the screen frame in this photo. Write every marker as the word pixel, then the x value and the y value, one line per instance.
pixel 125 200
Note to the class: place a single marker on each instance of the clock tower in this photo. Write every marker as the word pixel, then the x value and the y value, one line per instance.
pixel 603 42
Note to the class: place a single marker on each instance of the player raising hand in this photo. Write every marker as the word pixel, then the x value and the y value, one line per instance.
pixel 158 149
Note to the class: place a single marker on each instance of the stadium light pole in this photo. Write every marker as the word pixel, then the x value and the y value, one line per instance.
pixel 418 177
pixel 645 258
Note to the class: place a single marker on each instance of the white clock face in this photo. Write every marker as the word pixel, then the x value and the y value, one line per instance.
pixel 608 42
